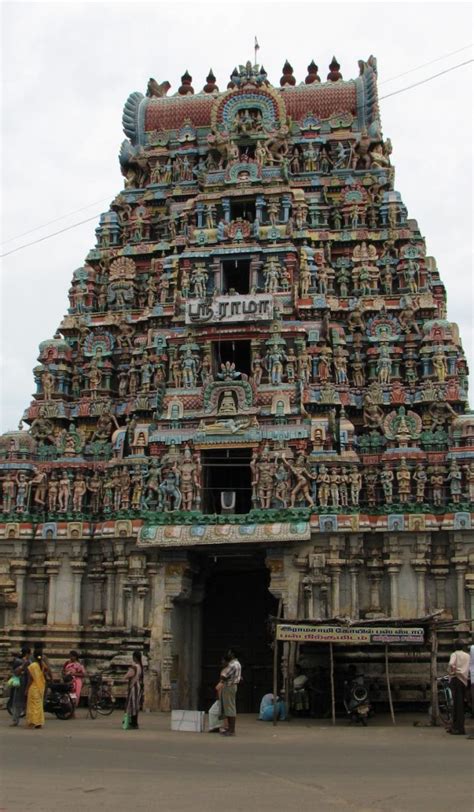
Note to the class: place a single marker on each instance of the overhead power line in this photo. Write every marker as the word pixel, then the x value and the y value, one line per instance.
pixel 56 220
pixel 54 234
pixel 423 81
pixel 81 222
pixel 425 64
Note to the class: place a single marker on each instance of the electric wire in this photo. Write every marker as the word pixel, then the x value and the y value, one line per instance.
pixel 387 96
pixel 54 234
pixel 425 64
pixel 56 220
pixel 428 79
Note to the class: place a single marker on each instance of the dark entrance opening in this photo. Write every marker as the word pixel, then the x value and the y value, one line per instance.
pixel 237 352
pixel 236 276
pixel 227 470
pixel 244 209
pixel 236 609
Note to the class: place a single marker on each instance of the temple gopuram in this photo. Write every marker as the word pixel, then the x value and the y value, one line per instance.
pixel 255 402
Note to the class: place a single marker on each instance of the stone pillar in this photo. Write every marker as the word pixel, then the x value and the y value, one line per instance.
pixel 52 569
pixel 375 574
pixel 460 590
pixel 393 564
pixel 355 561
pixel 394 574
pixel 121 568
pixel 96 618
pixel 354 580
pixel 420 566
pixel 78 568
pixel 128 605
pixel 110 593
pixel 335 590
pixel 39 613
pixel 142 592
pixel 18 569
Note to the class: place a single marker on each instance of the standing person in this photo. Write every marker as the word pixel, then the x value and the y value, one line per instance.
pixel 74 669
pixel 215 711
pixel 135 689
pixel 18 697
pixel 458 670
pixel 37 673
pixel 230 677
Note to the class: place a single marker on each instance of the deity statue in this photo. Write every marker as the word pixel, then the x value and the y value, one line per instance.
pixel 199 277
pixel 40 485
pixel 94 486
pixel 302 476
pixel 22 492
pixel 384 365
pixel 79 490
pixel 340 367
pixel 263 471
pixel 282 484
pixel 355 479
pixel 469 469
pixel 343 490
pixel 386 478
pixel 64 489
pixel 437 484
pixel 304 366
pixel 404 482
pixel 137 488
pixel 47 381
pixel 420 477
pixel 371 478
pixel 335 482
pixel 373 414
pixel 358 373
pixel 169 493
pixel 454 478
pixel 189 366
pixel 274 364
pixel 440 366
pixel 190 479
pixel 323 480
pixel 53 490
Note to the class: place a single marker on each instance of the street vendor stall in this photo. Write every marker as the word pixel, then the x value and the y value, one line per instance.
pixel 344 631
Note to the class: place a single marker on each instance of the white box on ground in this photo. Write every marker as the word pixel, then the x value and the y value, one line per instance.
pixel 189 721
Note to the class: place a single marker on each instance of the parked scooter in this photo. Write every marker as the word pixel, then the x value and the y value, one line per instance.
pixel 356 700
pixel 58 700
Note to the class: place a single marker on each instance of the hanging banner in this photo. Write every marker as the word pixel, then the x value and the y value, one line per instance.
pixel 254 307
pixel 365 635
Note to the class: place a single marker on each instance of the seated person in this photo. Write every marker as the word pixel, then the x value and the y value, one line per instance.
pixel 266 708
pixel 300 694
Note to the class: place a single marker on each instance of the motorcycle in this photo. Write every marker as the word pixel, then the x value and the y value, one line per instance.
pixel 58 700
pixel 356 700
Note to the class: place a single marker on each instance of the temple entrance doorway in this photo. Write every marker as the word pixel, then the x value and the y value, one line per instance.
pixel 236 608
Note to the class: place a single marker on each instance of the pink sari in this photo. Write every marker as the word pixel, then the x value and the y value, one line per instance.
pixel 77 672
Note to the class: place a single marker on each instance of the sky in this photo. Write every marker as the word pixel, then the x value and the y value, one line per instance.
pixel 68 68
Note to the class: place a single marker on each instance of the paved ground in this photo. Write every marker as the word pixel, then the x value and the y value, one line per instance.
pixel 301 765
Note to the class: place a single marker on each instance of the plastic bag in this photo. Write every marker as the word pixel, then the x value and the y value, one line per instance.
pixel 126 722
pixel 14 682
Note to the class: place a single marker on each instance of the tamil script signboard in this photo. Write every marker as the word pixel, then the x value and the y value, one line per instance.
pixel 362 635
pixel 255 307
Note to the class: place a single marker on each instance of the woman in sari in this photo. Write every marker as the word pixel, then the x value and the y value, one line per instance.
pixel 35 691
pixel 75 671
pixel 135 689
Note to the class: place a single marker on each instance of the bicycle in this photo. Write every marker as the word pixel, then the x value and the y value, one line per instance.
pixel 445 701
pixel 100 697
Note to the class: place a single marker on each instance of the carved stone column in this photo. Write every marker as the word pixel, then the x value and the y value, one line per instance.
pixel 109 568
pixel 39 614
pixel 440 572
pixel 460 561
pixel 393 564
pixel 96 618
pixel 375 575
pixel 355 549
pixel 142 592
pixel 121 568
pixel 335 564
pixel 420 566
pixel 128 592
pixel 52 570
pixel 18 569
pixel 78 567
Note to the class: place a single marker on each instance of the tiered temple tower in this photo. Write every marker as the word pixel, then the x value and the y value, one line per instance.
pixel 255 395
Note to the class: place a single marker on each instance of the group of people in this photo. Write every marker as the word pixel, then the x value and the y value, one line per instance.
pixel 31 675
